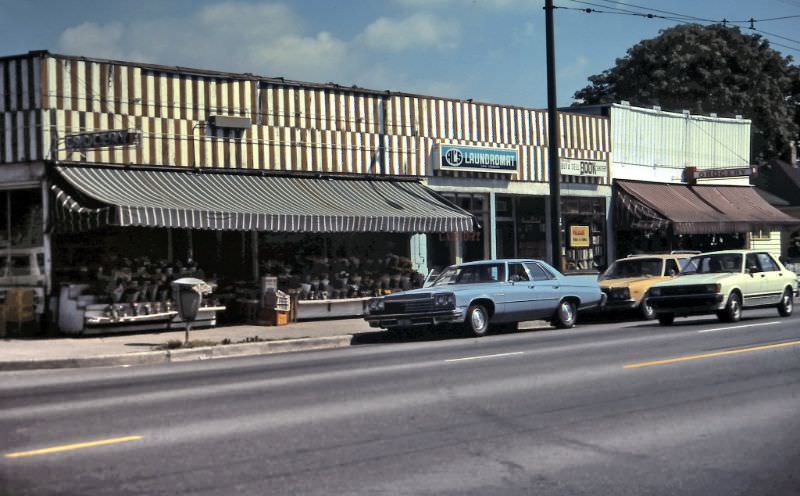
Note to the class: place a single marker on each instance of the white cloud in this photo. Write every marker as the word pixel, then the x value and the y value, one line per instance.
pixel 269 39
pixel 300 57
pixel 576 69
pixel 489 4
pixel 418 30
pixel 94 39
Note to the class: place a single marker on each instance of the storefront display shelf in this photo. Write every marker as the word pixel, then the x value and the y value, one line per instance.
pixel 345 307
pixel 101 320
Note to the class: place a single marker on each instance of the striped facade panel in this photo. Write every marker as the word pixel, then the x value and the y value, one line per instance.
pixel 20 136
pixel 20 117
pixel 176 142
pixel 293 127
pixel 91 86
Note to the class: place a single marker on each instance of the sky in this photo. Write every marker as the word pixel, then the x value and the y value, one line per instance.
pixel 487 50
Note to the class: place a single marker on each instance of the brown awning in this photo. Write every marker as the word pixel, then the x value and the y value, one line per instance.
pixel 702 209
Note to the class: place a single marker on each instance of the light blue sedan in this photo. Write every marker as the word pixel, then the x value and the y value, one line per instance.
pixel 498 293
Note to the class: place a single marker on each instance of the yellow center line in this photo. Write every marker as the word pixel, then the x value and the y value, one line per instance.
pixel 69 447
pixel 711 355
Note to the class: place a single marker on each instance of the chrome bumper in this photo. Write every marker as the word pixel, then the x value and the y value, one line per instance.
pixel 415 319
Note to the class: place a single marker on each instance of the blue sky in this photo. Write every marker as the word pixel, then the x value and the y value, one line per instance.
pixel 488 50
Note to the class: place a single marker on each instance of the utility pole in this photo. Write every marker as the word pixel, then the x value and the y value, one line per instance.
pixel 554 168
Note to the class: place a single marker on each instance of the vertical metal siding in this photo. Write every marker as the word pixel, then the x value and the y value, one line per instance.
pixel 656 138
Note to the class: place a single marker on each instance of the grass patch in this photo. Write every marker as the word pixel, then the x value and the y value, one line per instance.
pixel 177 344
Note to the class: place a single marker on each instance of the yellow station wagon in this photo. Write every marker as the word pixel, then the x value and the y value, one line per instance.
pixel 627 280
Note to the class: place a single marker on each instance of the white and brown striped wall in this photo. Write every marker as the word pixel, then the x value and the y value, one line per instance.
pixel 294 126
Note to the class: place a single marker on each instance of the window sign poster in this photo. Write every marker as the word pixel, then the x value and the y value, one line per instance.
pixel 578 236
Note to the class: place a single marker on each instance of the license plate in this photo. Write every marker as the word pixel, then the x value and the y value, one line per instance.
pixel 404 322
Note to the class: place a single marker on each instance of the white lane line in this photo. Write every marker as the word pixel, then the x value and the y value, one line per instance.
pixel 485 356
pixel 740 326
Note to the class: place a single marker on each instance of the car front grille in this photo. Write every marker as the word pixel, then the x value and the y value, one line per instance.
pixel 409 306
pixel 683 290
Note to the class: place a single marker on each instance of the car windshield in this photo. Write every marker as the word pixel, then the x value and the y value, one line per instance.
pixel 471 274
pixel 633 268
pixel 714 263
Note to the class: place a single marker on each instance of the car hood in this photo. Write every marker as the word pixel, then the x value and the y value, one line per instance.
pixel 629 281
pixel 454 288
pixel 688 279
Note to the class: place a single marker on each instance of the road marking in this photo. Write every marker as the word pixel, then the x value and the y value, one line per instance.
pixel 69 447
pixel 485 356
pixel 740 326
pixel 711 355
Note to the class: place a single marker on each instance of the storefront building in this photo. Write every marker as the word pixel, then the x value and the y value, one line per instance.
pixel 118 177
pixel 683 181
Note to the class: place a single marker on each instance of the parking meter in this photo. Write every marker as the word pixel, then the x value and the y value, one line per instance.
pixel 188 293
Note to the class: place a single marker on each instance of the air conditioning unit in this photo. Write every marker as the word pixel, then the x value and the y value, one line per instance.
pixel 229 122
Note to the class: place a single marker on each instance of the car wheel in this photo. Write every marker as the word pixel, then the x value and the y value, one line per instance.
pixel 786 305
pixel 733 310
pixel 666 319
pixel 565 315
pixel 646 311
pixel 477 320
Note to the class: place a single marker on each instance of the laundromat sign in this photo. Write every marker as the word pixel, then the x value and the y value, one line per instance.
pixel 476 159
pixel 580 167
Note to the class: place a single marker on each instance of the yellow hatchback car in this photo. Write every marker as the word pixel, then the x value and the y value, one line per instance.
pixel 627 280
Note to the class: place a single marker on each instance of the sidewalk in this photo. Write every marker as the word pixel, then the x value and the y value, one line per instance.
pixel 138 348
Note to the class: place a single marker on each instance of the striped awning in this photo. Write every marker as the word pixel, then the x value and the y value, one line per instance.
pixel 90 197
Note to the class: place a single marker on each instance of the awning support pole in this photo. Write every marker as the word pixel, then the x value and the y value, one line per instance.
pixel 254 253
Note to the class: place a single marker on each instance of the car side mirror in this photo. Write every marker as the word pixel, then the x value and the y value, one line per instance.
pixel 671 272
pixel 752 269
pixel 515 278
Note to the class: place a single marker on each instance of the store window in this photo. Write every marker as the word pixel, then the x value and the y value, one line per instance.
pixel 21 236
pixel 474 245
pixel 531 227
pixel 20 218
pixel 584 232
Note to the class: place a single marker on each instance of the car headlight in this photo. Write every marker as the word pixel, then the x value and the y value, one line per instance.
pixel 711 288
pixel 620 293
pixel 445 299
pixel 376 305
pixel 655 292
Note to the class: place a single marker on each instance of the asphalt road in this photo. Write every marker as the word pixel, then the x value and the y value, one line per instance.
pixel 626 408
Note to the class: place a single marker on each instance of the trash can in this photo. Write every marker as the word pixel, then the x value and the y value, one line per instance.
pixel 188 293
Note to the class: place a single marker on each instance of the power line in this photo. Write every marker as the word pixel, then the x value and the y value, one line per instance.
pixel 650 9
pixel 680 18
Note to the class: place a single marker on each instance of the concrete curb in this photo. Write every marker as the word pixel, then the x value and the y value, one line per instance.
pixel 167 356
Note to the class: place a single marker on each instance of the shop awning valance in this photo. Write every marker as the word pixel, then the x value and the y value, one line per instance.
pixel 89 197
pixel 703 209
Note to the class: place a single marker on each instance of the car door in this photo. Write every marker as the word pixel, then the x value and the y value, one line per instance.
pixel 546 292
pixel 773 278
pixel 753 281
pixel 519 293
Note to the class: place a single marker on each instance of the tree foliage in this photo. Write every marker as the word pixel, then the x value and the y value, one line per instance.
pixel 709 69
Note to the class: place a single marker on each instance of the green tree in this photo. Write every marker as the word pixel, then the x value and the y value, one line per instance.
pixel 709 69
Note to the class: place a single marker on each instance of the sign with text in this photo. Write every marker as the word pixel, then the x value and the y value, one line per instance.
pixel 692 174
pixel 578 236
pixel 581 167
pixel 476 159
pixel 102 139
